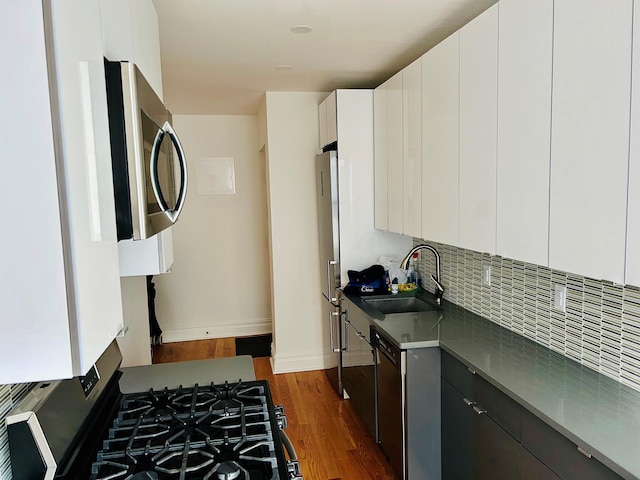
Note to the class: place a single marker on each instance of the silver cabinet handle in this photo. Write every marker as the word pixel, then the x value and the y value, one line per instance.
pixel 174 213
pixel 473 372
pixel 468 402
pixel 478 410
pixel 345 331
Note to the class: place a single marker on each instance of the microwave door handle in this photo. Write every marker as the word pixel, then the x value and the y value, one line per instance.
pixel 155 183
pixel 182 194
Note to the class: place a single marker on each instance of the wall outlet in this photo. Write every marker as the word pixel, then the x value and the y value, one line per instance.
pixel 486 275
pixel 560 297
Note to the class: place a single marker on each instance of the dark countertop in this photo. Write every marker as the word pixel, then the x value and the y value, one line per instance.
pixel 594 411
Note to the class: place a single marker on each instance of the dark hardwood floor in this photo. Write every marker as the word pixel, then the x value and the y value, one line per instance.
pixel 329 438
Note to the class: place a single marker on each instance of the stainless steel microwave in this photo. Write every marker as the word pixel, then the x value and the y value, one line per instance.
pixel 148 162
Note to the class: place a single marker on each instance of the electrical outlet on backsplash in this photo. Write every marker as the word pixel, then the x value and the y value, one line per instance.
pixel 600 327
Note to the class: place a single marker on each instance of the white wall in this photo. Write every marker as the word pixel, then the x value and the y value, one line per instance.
pixel 219 284
pixel 292 144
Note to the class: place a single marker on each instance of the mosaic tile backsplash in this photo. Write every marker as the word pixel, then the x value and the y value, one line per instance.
pixel 10 396
pixel 600 327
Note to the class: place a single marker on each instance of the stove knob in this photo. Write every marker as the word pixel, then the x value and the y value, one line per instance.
pixel 278 410
pixel 282 422
pixel 293 470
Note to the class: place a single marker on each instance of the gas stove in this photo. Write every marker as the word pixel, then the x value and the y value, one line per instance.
pixel 228 431
pixel 85 428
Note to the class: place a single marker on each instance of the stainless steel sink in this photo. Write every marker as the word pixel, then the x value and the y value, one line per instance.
pixel 389 305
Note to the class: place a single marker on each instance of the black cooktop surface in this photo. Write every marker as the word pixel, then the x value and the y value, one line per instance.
pixel 227 431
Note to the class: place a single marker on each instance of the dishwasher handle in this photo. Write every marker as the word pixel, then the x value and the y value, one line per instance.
pixel 388 350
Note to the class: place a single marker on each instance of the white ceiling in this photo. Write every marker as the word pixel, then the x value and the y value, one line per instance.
pixel 218 56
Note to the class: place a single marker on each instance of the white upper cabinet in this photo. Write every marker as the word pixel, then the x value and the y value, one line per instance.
pixel 524 129
pixel 632 271
pixel 60 301
pixel 130 33
pixel 380 156
pixel 327 120
pixel 322 123
pixel 478 131
pixel 395 194
pixel 440 118
pixel 590 137
pixel 412 148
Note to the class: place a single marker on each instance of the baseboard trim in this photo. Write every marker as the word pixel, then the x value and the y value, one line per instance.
pixel 302 363
pixel 217 331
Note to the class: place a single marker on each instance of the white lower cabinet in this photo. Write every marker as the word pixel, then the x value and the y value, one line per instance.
pixel 60 300
pixel 478 132
pixel 590 137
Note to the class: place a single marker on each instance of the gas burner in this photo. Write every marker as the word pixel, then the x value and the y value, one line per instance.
pixel 229 471
pixel 204 432
pixel 151 403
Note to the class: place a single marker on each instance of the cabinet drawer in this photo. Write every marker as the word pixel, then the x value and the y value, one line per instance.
pixel 559 453
pixel 499 407
pixel 457 374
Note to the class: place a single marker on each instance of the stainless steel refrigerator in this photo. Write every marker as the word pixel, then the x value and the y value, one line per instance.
pixel 329 244
pixel 347 239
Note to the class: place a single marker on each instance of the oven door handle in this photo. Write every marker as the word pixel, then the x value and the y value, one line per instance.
pixel 293 466
pixel 174 213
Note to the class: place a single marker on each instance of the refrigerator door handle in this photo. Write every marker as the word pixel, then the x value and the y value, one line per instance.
pixel 331 291
pixel 331 336
pixel 345 331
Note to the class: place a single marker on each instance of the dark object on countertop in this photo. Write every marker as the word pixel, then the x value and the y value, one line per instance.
pixel 370 281
pixel 256 346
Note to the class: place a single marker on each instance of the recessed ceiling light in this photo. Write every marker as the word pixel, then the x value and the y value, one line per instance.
pixel 301 29
pixel 282 68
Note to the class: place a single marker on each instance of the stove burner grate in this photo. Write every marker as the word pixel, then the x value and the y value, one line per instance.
pixel 196 433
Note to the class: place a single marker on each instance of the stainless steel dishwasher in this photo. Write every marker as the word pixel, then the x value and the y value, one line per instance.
pixel 391 376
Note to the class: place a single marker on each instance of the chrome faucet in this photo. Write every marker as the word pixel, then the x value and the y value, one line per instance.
pixel 439 288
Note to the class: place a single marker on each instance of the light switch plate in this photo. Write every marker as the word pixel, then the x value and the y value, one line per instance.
pixel 560 297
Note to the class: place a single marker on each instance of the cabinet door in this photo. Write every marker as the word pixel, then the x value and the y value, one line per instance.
pixel 322 123
pixel 33 298
pixel 457 435
pixel 394 154
pixel 412 148
pixel 524 129
pixel 380 156
pixel 478 131
pixel 440 117
pixel 533 469
pixel 632 259
pixel 358 377
pixel 496 454
pixel 332 118
pixel 88 192
pixel 590 137
pixel 559 454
